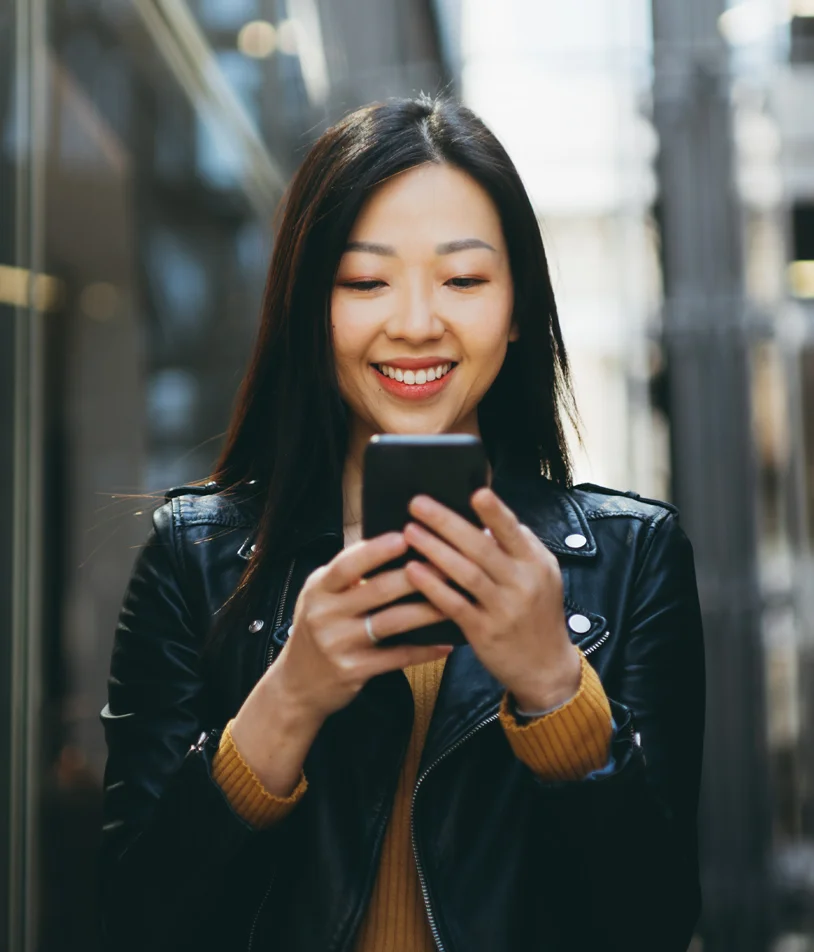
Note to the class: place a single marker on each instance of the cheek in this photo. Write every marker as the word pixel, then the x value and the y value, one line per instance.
pixel 488 335
pixel 345 332
pixel 351 339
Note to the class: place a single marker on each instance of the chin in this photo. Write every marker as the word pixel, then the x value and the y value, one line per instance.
pixel 412 424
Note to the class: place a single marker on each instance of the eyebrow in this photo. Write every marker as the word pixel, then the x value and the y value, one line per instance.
pixel 447 248
pixel 372 248
pixel 463 244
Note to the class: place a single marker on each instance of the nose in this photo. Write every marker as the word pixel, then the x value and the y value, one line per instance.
pixel 414 318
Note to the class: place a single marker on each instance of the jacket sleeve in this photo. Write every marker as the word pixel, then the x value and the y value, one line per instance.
pixel 627 836
pixel 169 831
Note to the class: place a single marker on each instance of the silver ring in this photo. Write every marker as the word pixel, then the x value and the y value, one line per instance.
pixel 369 630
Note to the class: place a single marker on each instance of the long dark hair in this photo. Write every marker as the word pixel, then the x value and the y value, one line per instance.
pixel 289 431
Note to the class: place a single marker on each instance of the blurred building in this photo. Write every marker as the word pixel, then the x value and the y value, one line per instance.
pixel 144 147
pixel 669 151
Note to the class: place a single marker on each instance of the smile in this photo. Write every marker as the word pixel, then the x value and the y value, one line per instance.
pixel 413 377
pixel 414 384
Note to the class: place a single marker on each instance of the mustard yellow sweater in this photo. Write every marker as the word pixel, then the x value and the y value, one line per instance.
pixel 566 744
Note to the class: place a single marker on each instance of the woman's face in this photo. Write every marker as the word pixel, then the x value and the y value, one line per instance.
pixel 422 306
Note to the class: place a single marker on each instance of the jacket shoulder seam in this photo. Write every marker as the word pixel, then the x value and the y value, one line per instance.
pixel 595 489
pixel 650 540
pixel 191 489
pixel 177 548
pixel 649 519
pixel 212 520
pixel 628 514
pixel 191 514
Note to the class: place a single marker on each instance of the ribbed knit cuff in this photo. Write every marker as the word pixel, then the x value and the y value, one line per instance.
pixel 570 742
pixel 246 794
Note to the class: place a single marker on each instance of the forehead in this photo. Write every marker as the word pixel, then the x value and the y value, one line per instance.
pixel 438 202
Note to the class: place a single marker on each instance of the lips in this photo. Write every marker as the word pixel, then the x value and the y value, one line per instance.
pixel 387 377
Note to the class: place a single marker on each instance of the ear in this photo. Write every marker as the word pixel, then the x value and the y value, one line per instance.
pixel 514 332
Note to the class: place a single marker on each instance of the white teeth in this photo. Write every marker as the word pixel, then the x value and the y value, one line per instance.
pixel 427 375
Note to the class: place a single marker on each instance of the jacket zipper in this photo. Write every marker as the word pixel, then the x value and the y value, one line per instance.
pixel 422 879
pixel 597 644
pixel 278 620
pixel 419 867
pixel 634 735
pixel 257 915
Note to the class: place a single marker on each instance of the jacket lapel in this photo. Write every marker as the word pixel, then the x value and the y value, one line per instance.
pixel 551 513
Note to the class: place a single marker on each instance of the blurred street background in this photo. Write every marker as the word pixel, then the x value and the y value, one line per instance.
pixel 668 147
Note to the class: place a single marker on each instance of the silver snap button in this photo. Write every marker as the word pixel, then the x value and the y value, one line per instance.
pixel 256 625
pixel 576 541
pixel 579 624
pixel 253 549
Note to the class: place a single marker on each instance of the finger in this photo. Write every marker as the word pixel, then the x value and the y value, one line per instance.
pixel 466 538
pixel 404 656
pixel 502 522
pixel 433 568
pixel 400 618
pixel 377 591
pixel 360 558
pixel 449 602
pixel 455 565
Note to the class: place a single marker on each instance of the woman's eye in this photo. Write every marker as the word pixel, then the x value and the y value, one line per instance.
pixel 464 283
pixel 363 285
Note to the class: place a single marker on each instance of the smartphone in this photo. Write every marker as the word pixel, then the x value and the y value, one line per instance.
pixel 449 468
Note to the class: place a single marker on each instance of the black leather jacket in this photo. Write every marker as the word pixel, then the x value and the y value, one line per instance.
pixel 507 862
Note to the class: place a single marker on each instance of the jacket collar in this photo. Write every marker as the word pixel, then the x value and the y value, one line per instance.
pixel 322 518
pixel 551 513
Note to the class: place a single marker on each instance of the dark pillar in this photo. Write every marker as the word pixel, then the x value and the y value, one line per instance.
pixel 707 341
pixel 22 88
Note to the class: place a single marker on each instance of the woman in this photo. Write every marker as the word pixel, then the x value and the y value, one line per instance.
pixel 281 779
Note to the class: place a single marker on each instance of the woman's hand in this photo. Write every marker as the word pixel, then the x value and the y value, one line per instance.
pixel 329 657
pixel 516 626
